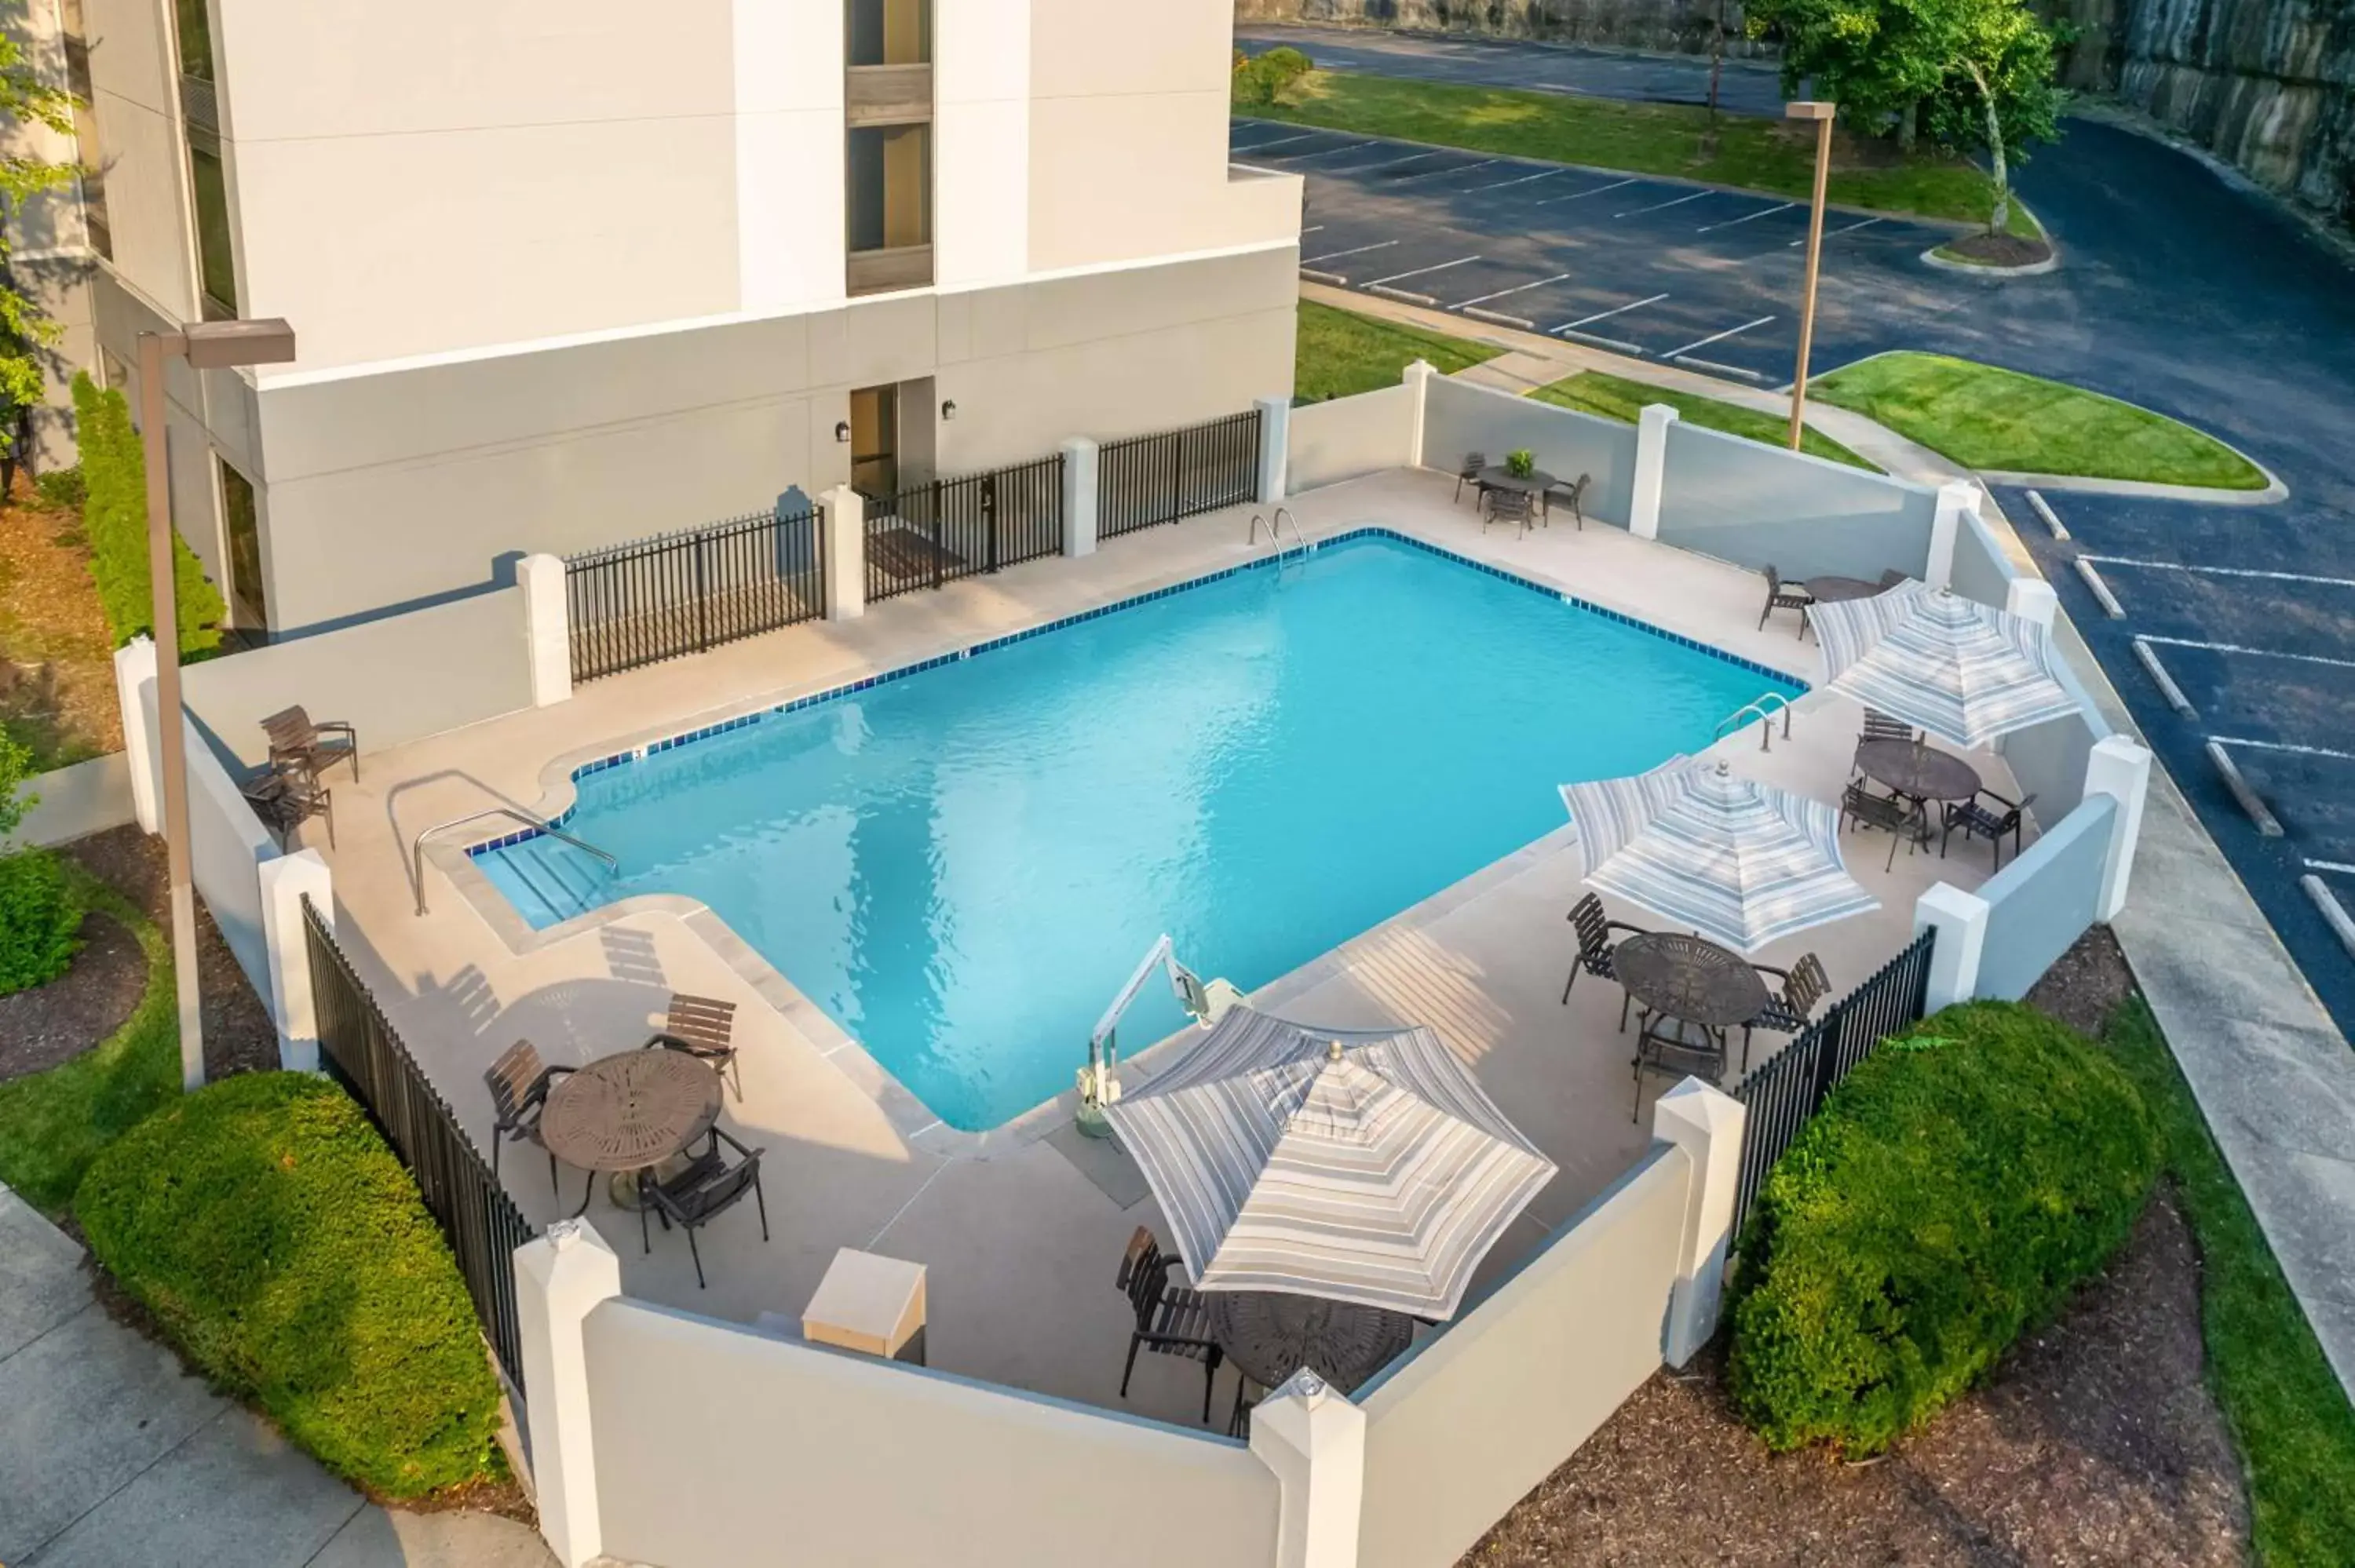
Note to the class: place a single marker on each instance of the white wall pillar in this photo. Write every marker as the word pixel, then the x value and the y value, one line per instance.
pixel 2032 598
pixel 1274 448
pixel 1955 498
pixel 1417 378
pixel 2121 769
pixel 1080 496
pixel 135 666
pixel 1314 1439
pixel 1960 919
pixel 559 1279
pixel 286 882
pixel 842 512
pixel 1707 1124
pixel 1651 469
pixel 546 628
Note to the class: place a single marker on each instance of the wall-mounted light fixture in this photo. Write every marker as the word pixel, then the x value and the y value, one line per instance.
pixel 842 431
pixel 948 408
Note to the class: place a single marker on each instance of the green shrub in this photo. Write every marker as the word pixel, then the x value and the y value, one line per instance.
pixel 62 487
pixel 114 522
pixel 40 920
pixel 283 1248
pixel 1263 80
pixel 1949 1195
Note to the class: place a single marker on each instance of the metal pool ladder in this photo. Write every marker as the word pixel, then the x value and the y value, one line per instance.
pixel 1762 710
pixel 417 844
pixel 1276 533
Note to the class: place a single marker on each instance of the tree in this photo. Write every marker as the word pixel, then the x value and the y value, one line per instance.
pixel 25 101
pixel 1998 95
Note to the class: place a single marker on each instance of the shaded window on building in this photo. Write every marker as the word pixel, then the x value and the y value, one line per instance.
pixel 890 187
pixel 879 32
pixel 215 257
pixel 90 150
pixel 195 40
pixel 241 524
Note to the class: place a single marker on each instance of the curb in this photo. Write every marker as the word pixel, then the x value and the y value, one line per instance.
pixel 1932 260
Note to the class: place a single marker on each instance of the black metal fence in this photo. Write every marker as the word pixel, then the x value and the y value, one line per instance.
pixel 362 1052
pixel 944 529
pixel 1790 1088
pixel 1150 480
pixel 681 593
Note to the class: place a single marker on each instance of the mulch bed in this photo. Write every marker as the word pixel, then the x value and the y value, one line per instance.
pixel 2096 1442
pixel 41 1027
pixel 2000 249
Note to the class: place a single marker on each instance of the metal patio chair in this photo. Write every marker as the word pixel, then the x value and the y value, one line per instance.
pixel 285 795
pixel 1507 506
pixel 1469 473
pixel 1667 1046
pixel 1791 1007
pixel 1171 1320
pixel 519 1082
pixel 705 1029
pixel 1595 944
pixel 709 1187
pixel 1781 594
pixel 1990 822
pixel 1572 493
pixel 295 737
pixel 1900 818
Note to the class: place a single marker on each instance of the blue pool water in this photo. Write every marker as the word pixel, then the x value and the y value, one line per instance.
pixel 963 865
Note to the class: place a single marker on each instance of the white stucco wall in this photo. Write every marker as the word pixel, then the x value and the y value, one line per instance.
pixel 981 140
pixel 787 63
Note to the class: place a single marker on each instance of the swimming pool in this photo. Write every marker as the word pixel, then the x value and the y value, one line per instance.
pixel 963 864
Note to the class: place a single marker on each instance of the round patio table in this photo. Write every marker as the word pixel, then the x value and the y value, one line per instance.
pixel 626 1113
pixel 1681 976
pixel 1833 589
pixel 1272 1334
pixel 1497 476
pixel 1921 772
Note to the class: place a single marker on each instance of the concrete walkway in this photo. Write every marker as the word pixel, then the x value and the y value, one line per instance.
pixel 111 1455
pixel 2272 1071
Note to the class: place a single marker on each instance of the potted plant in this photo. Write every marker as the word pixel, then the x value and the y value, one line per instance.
pixel 1520 463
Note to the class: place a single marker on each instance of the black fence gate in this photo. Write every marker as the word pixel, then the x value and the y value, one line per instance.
pixel 1787 1091
pixel 944 529
pixel 681 593
pixel 1150 480
pixel 362 1052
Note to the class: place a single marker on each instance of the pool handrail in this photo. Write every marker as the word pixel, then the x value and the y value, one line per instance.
pixel 1763 710
pixel 417 844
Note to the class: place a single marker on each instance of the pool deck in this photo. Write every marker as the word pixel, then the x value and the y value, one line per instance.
pixel 1022 1230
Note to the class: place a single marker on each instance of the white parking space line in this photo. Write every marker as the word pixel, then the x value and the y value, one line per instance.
pixel 1835 234
pixel 1516 289
pixel 2340 866
pixel 1419 271
pixel 1599 315
pixel 1463 169
pixel 1746 218
pixel 1519 180
pixel 2283 745
pixel 1282 142
pixel 2239 648
pixel 1402 163
pixel 1580 195
pixel 1352 147
pixel 1663 206
pixel 2221 571
pixel 1717 337
pixel 1353 251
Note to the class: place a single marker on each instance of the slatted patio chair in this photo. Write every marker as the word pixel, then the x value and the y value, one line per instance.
pixel 1677 1048
pixel 709 1187
pixel 1171 1320
pixel 519 1082
pixel 1879 726
pixel 295 737
pixel 1507 506
pixel 703 1028
pixel 1792 1005
pixel 1782 595
pixel 285 796
pixel 1903 819
pixel 1990 821
pixel 1595 944
pixel 1469 473
pixel 1572 494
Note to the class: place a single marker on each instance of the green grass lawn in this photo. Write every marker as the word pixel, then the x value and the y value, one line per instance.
pixel 53 1124
pixel 1985 418
pixel 1642 139
pixel 1340 354
pixel 2292 1421
pixel 1616 397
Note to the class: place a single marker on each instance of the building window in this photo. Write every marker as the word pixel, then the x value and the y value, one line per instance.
pixel 880 32
pixel 241 523
pixel 195 40
pixel 891 187
pixel 90 152
pixel 216 258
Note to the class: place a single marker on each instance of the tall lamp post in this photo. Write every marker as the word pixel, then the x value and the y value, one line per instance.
pixel 206 345
pixel 1821 113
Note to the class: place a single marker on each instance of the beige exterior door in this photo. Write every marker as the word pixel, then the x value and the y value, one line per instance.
pixel 875 441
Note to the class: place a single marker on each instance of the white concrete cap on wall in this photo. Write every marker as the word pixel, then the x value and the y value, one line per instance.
pixel 1956 498
pixel 285 883
pixel 2032 598
pixel 1960 919
pixel 842 512
pixel 1274 447
pixel 2121 769
pixel 547 628
pixel 1651 469
pixel 1707 1124
pixel 559 1279
pixel 1079 496
pixel 1417 380
pixel 135 666
pixel 1314 1439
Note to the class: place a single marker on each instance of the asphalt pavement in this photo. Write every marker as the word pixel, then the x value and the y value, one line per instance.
pixel 2179 289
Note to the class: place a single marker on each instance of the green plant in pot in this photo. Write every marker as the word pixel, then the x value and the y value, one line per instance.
pixel 1521 463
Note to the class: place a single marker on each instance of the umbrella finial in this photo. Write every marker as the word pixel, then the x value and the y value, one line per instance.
pixel 1333 1053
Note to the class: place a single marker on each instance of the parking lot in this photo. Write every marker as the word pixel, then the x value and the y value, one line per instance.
pixel 1686 274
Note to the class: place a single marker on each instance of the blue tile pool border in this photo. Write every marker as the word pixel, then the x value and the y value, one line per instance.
pixel 849 688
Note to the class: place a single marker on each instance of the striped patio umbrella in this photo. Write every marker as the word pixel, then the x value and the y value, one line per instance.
pixel 1740 862
pixel 1964 671
pixel 1358 1166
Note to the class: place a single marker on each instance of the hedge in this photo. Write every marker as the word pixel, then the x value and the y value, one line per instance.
pixel 115 524
pixel 1948 1196
pixel 283 1248
pixel 40 906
